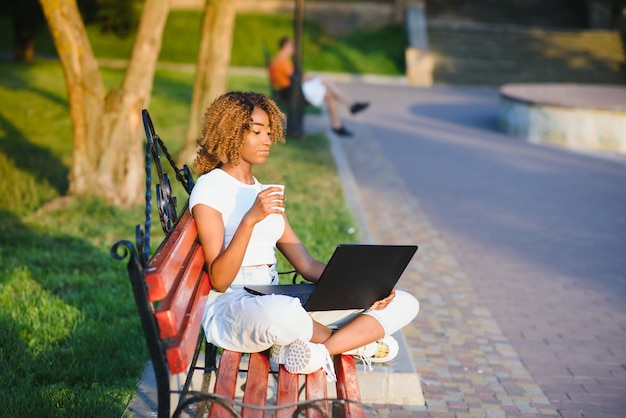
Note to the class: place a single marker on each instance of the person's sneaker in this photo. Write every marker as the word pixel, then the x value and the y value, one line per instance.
pixel 386 350
pixel 277 354
pixel 304 357
pixel 342 131
pixel 381 351
pixel 358 107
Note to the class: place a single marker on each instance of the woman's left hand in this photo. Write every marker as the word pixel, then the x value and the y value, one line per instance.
pixel 382 304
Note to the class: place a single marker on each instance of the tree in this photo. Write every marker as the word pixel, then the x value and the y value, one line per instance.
pixel 26 18
pixel 218 23
pixel 107 155
pixel 399 7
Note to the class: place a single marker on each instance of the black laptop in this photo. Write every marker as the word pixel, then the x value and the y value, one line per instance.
pixel 356 276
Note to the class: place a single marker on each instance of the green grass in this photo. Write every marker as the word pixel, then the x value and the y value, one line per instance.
pixel 373 51
pixel 71 343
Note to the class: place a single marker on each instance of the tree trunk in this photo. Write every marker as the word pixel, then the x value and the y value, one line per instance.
pixel 399 7
pixel 107 157
pixel 23 39
pixel 212 69
pixel 27 18
pixel 85 88
pixel 121 169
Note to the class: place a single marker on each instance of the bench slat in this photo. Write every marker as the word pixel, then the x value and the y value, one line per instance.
pixel 175 306
pixel 348 385
pixel 316 388
pixel 256 384
pixel 287 392
pixel 225 382
pixel 180 349
pixel 165 266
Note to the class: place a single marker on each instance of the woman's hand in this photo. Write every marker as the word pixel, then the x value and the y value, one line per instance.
pixel 267 202
pixel 382 304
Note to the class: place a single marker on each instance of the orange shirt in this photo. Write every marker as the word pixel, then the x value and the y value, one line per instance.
pixel 281 69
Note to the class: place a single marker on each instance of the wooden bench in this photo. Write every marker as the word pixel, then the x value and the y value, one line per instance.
pixel 171 288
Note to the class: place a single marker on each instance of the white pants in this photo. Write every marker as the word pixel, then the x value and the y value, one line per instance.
pixel 240 321
pixel 314 91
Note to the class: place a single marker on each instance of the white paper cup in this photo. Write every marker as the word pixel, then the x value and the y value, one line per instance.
pixel 282 192
pixel 269 186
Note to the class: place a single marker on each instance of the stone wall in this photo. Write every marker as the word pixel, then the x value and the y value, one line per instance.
pixel 581 117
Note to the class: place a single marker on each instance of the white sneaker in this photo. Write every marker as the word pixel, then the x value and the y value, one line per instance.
pixel 304 357
pixel 381 351
pixel 277 354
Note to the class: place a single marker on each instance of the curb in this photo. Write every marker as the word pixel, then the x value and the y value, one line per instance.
pixel 397 383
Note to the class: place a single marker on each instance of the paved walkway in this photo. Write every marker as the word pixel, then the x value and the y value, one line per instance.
pixel 521 270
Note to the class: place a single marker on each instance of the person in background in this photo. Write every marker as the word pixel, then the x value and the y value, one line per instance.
pixel 315 90
pixel 240 223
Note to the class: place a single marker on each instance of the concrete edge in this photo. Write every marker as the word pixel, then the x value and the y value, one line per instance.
pixel 394 388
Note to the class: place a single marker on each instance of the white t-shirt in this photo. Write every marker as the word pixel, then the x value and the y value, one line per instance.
pixel 233 199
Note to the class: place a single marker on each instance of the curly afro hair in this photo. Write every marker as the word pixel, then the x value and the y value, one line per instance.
pixel 226 122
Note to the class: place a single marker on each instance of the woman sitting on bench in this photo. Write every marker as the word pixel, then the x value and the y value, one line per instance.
pixel 240 223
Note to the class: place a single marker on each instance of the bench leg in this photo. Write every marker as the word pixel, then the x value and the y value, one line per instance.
pixel 210 354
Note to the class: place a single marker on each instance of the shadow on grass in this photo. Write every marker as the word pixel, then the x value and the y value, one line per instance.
pixel 38 161
pixel 16 78
pixel 173 88
pixel 71 338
